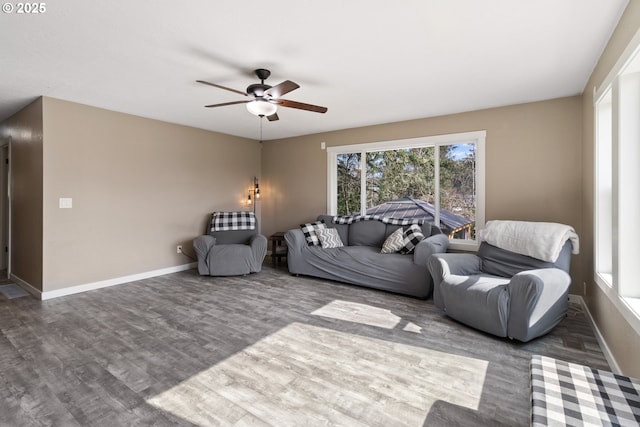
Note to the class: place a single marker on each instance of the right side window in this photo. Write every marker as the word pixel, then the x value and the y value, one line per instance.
pixel 604 192
pixel 617 185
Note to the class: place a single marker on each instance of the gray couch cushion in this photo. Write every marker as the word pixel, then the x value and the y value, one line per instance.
pixel 367 233
pixel 480 301
pixel 429 229
pixel 501 262
pixel 232 260
pixel 231 237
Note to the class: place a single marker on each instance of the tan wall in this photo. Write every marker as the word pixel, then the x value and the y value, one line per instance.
pixel 139 188
pixel 25 130
pixel 533 165
pixel 621 338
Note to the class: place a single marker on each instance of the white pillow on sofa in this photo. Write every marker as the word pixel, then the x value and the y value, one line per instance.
pixel 329 238
pixel 394 242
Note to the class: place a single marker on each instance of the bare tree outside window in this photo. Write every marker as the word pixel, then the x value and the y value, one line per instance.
pixel 393 174
pixel 349 171
pixel 410 174
pixel 458 185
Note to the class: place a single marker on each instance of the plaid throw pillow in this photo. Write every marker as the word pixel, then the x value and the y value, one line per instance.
pixel 329 238
pixel 309 231
pixel 224 221
pixel 411 236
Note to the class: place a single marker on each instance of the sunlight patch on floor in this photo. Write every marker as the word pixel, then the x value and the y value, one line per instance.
pixel 305 373
pixel 363 314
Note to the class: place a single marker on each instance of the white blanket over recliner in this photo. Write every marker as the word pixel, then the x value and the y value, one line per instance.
pixel 541 240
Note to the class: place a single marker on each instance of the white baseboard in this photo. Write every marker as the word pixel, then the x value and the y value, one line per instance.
pixel 601 341
pixel 101 284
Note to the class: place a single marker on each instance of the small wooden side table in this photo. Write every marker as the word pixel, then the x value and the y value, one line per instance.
pixel 278 249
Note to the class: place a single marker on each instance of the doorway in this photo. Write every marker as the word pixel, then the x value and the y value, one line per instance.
pixel 5 211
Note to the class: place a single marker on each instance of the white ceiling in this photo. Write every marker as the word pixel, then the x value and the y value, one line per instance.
pixel 368 61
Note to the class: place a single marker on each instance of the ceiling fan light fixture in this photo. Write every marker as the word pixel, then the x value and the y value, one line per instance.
pixel 261 108
pixel 264 100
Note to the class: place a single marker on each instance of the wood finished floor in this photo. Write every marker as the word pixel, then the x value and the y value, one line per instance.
pixel 267 349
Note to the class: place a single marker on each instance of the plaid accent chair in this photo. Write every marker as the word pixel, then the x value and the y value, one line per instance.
pixel 232 246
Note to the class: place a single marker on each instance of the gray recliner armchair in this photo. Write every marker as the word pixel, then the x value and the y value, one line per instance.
pixel 502 292
pixel 232 247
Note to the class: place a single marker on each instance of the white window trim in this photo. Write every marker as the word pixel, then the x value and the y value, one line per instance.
pixel 478 137
pixel 604 280
pixel 629 308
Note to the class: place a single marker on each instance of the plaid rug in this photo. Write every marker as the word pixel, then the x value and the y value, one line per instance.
pixel 568 394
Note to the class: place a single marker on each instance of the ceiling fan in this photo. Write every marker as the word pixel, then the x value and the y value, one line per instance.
pixel 264 99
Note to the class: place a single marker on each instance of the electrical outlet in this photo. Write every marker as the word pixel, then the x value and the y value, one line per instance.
pixel 179 249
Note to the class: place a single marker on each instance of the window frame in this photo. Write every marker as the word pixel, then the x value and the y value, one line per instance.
pixel 627 64
pixel 437 141
pixel 604 279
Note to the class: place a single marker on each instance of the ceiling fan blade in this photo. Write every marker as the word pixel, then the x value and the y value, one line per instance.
pixel 273 117
pixel 300 105
pixel 228 103
pixel 278 90
pixel 222 87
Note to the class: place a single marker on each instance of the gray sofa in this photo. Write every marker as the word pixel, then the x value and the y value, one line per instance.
pixel 360 262
pixel 501 292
